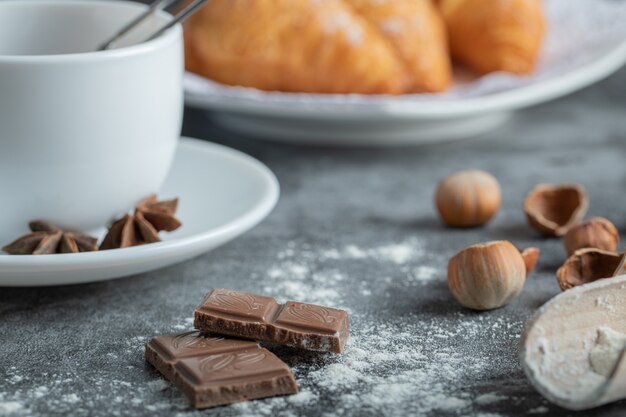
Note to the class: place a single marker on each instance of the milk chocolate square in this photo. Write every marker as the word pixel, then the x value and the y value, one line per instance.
pixel 164 351
pixel 229 377
pixel 311 317
pixel 241 305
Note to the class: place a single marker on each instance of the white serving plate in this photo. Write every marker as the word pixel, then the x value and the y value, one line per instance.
pixel 223 193
pixel 586 42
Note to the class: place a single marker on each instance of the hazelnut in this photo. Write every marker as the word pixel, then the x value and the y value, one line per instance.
pixel 554 209
pixel 487 275
pixel 598 233
pixel 587 265
pixel 468 198
pixel 530 256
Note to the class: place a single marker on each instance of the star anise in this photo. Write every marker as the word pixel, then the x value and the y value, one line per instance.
pixel 150 217
pixel 48 239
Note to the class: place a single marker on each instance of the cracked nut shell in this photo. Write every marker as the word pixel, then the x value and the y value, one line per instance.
pixel 554 209
pixel 587 265
pixel 530 256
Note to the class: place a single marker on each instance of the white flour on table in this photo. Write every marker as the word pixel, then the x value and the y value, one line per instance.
pixel 404 365
pixel 411 363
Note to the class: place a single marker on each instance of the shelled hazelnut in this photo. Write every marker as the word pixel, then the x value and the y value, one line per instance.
pixel 486 276
pixel 468 198
pixel 598 233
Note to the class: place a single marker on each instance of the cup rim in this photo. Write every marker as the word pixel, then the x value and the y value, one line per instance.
pixel 171 35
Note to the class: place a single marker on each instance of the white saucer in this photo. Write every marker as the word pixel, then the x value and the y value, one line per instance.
pixel 223 193
pixel 569 62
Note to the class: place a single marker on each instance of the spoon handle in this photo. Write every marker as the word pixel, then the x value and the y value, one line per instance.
pixel 181 16
pixel 156 5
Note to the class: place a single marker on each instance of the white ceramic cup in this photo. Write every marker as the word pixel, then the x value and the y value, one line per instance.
pixel 83 135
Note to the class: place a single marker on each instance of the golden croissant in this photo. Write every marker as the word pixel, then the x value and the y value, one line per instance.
pixel 321 46
pixel 495 35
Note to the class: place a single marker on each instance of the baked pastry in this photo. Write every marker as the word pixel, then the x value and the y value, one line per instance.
pixel 417 33
pixel 320 46
pixel 495 35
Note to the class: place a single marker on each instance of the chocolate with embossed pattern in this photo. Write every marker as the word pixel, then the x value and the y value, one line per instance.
pixel 256 317
pixel 164 351
pixel 214 370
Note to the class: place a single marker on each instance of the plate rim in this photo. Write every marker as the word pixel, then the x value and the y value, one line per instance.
pixel 141 254
pixel 525 96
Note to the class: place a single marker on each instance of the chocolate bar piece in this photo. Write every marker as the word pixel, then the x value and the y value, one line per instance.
pixel 164 351
pixel 213 370
pixel 256 317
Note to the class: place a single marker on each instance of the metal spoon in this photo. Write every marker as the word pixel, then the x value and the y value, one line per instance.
pixel 156 5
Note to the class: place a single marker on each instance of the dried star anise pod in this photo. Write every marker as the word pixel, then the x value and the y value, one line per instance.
pixel 151 216
pixel 47 239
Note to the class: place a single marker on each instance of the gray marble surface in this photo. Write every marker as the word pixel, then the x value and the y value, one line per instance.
pixel 354 228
